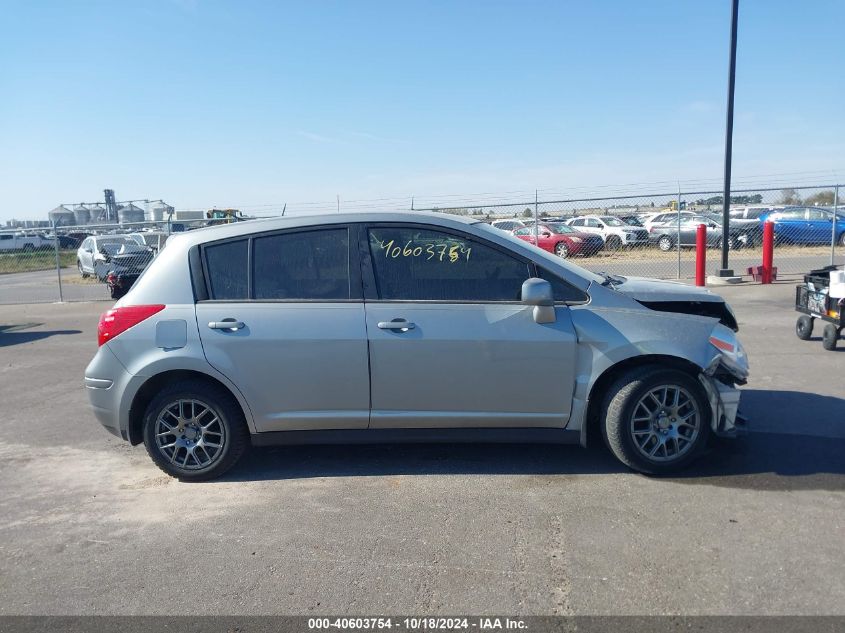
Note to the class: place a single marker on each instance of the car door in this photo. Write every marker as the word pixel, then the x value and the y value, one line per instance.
pixel 818 226
pixel 284 321
pixel 86 256
pixel 451 345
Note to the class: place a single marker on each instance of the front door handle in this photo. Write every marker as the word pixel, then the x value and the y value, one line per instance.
pixel 396 324
pixel 227 324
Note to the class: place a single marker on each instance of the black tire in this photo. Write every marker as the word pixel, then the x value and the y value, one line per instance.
pixel 28 248
pixel 622 403
pixel 804 327
pixel 562 250
pixel 830 335
pixel 613 243
pixel 82 273
pixel 665 243
pixel 841 239
pixel 234 434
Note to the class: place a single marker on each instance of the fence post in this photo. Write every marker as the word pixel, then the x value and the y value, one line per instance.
pixel 536 222
pixel 833 225
pixel 58 262
pixel 768 248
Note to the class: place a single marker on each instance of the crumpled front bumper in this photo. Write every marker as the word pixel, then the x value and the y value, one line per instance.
pixel 726 421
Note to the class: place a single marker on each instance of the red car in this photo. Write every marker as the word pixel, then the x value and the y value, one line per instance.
pixel 562 240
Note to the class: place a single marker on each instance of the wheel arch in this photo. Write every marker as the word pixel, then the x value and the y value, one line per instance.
pixel 148 390
pixel 595 399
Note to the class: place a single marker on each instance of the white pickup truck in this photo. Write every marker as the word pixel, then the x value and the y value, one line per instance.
pixel 23 242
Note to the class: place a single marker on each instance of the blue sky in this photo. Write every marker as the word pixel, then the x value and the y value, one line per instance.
pixel 259 103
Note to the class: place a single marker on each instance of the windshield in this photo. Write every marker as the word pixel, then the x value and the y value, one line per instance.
pixel 560 228
pixel 610 221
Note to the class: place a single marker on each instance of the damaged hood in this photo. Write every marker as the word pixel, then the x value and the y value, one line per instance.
pixel 645 289
pixel 674 296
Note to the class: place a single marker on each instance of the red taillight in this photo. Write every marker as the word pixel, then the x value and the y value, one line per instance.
pixel 119 320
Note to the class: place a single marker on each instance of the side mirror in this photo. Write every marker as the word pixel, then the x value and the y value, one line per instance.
pixel 538 293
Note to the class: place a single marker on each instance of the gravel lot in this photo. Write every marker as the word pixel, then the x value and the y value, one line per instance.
pixel 89 526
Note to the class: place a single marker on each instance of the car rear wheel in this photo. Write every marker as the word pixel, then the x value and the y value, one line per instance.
pixel 194 432
pixel 656 420
pixel 665 243
pixel 613 243
pixel 562 250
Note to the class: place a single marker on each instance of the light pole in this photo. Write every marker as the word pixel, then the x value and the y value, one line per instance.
pixel 724 271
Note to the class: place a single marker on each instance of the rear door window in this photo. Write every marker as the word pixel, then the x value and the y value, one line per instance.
pixel 304 265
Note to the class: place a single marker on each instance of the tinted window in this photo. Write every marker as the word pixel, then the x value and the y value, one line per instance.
pixel 421 264
pixel 302 265
pixel 5 237
pixel 577 223
pixel 791 214
pixel 562 290
pixel 227 270
pixel 818 214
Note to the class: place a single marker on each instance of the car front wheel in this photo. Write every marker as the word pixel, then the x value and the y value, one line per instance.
pixel 82 272
pixel 194 432
pixel 656 420
pixel 562 250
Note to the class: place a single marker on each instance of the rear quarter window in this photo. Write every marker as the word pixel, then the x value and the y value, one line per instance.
pixel 226 270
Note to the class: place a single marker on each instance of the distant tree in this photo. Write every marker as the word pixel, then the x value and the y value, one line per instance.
pixel 822 197
pixel 527 213
pixel 789 196
pixel 652 203
pixel 543 214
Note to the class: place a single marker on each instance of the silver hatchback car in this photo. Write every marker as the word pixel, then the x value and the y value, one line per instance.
pixel 396 327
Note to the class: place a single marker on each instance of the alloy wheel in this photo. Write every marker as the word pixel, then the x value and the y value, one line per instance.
pixel 189 434
pixel 665 423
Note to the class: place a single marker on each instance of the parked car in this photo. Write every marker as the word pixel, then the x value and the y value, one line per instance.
pixel 663 217
pixel 665 236
pixel 98 254
pixel 748 219
pixel 125 266
pixel 613 231
pixel 366 328
pixel 24 242
pixel 806 225
pixel 155 240
pixel 631 219
pixel 560 239
pixel 507 225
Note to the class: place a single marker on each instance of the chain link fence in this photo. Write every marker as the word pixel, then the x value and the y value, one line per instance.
pixel 655 235
pixel 643 235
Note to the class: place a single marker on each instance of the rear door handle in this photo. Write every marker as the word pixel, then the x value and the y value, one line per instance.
pixel 227 324
pixel 396 324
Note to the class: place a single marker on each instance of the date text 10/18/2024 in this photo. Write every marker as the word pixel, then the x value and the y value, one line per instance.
pixel 417 623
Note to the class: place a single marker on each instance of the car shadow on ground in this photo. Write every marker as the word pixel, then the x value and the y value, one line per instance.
pixel 12 334
pixel 806 457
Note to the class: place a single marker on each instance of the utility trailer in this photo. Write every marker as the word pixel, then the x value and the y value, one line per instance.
pixel 821 296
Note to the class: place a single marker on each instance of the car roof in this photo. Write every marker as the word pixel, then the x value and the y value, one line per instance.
pixel 236 229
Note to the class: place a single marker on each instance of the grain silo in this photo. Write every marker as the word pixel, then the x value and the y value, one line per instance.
pixel 129 213
pixel 61 216
pixel 81 214
pixel 98 213
pixel 159 211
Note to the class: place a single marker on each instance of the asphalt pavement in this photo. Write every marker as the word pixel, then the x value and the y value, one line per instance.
pixel 89 526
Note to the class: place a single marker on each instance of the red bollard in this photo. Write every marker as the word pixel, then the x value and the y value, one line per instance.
pixel 768 250
pixel 700 253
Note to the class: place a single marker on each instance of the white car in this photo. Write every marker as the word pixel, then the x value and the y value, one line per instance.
pixel 96 250
pixel 507 225
pixel 613 231
pixel 23 242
